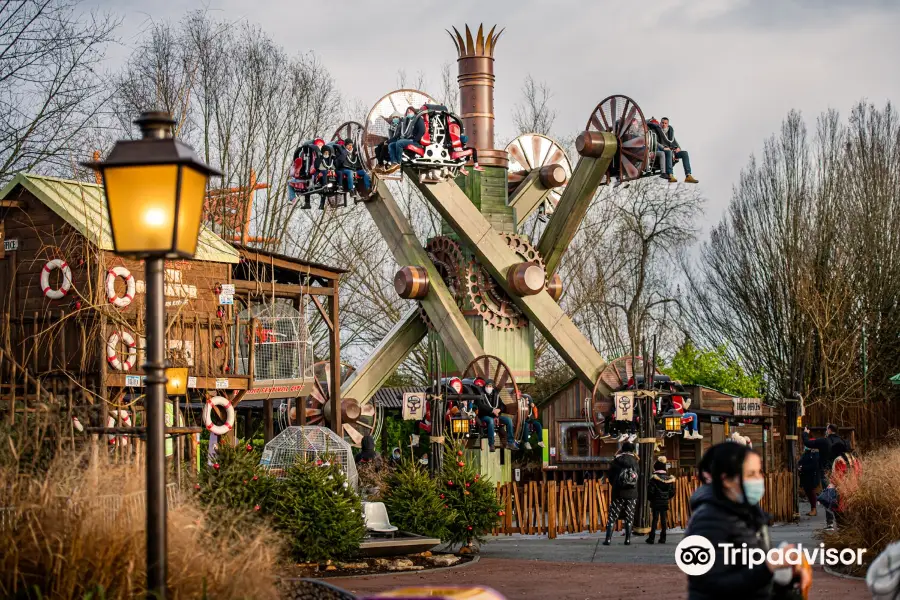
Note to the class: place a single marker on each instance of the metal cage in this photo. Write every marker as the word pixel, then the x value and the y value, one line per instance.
pixel 309 444
pixel 282 349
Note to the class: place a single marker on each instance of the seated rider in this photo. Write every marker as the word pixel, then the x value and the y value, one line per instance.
pixel 350 166
pixel 382 157
pixel 667 141
pixel 663 155
pixel 532 423
pixel 689 421
pixel 326 171
pixel 303 170
pixel 489 409
pixel 408 127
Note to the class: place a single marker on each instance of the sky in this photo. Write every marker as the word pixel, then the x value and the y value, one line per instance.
pixel 726 72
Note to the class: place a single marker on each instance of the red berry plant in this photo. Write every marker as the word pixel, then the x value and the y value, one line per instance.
pixel 469 495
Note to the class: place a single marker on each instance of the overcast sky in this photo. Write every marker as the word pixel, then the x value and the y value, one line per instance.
pixel 725 71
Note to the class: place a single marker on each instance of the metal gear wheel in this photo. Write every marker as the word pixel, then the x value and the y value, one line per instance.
pixel 448 258
pixel 488 298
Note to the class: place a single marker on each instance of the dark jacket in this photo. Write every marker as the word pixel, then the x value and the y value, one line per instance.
pixel 350 160
pixel 668 140
pixel 810 469
pixel 619 464
pixel 830 447
pixel 418 130
pixel 367 452
pixel 325 163
pixel 722 521
pixel 660 490
pixel 486 405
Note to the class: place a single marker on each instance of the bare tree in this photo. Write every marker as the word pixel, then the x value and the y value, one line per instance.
pixel 533 114
pixel 51 94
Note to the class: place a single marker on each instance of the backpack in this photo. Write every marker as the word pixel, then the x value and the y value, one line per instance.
pixel 627 479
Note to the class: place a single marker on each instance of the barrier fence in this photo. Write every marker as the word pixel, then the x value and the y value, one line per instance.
pixel 557 507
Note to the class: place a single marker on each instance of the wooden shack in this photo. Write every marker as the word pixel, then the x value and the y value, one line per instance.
pixel 72 312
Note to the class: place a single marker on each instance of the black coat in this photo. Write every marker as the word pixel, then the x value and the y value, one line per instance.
pixel 810 470
pixel 620 463
pixel 350 160
pixel 830 447
pixel 660 490
pixel 667 140
pixel 722 521
pixel 486 404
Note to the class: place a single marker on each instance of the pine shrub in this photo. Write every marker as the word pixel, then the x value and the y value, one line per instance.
pixel 415 504
pixel 235 480
pixel 471 497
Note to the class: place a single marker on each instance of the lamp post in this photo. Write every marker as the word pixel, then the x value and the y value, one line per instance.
pixel 154 189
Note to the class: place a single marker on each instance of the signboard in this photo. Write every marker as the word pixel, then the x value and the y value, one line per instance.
pixel 10 245
pixel 624 406
pixel 221 384
pixel 748 407
pixel 227 294
pixel 413 406
pixel 282 390
pixel 134 381
pixel 192 382
pixel 518 474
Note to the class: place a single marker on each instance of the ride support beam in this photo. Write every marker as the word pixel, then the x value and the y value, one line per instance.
pixel 536 186
pixel 596 150
pixel 439 304
pixel 384 360
pixel 490 247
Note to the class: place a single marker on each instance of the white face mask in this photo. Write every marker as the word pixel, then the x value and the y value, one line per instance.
pixel 489 390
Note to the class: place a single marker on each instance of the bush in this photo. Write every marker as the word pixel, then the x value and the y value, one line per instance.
pixel 77 532
pixel 317 511
pixel 471 497
pixel 415 504
pixel 235 480
pixel 871 515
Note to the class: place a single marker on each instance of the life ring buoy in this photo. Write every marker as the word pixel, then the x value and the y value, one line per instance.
pixel 111 422
pixel 52 265
pixel 111 275
pixel 229 415
pixel 112 356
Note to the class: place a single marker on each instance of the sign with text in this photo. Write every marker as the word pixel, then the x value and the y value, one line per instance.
pixel 226 296
pixel 221 384
pixel 134 381
pixel 413 406
pixel 192 382
pixel 292 390
pixel 748 407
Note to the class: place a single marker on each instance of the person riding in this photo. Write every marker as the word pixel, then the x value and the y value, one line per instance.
pixel 728 515
pixel 488 404
pixel 532 422
pixel 663 154
pixel 382 154
pixel 660 491
pixel 668 142
pixel 406 133
pixel 350 165
pixel 395 457
pixel 624 472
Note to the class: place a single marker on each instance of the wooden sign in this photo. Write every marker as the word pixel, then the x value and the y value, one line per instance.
pixel 413 406
pixel 624 405
pixel 748 407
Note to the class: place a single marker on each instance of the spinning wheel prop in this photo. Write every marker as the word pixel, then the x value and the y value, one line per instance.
pixel 621 116
pixel 532 151
pixel 378 120
pixel 357 420
pixel 491 367
pixel 351 130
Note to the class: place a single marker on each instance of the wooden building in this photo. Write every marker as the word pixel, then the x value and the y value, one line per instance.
pixel 576 451
pixel 72 312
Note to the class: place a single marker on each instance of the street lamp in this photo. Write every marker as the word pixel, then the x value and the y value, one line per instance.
pixel 154 189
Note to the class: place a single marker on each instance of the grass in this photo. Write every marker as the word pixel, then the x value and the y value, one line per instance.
pixel 74 532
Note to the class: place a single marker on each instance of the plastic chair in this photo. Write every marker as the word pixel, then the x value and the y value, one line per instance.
pixel 376 517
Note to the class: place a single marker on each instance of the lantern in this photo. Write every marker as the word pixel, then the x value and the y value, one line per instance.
pixel 672 420
pixel 177 381
pixel 459 426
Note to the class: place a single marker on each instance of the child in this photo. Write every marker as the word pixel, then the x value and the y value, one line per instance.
pixel 660 490
pixel 531 422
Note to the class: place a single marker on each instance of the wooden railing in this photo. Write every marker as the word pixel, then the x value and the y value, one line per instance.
pixel 553 508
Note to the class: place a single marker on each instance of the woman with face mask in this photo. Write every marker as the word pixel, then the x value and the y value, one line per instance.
pixel 730 514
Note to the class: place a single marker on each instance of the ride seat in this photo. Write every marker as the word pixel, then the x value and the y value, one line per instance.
pixel 376 518
pixel 461 154
pixel 416 149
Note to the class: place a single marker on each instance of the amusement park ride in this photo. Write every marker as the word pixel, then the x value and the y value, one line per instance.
pixel 482 286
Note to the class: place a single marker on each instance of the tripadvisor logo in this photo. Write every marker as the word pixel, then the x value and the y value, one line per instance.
pixel 695 555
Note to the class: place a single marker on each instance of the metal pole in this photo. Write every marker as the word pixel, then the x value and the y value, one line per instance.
pixel 155 413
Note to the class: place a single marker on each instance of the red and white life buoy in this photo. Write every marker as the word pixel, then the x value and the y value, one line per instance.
pixel 52 265
pixel 112 356
pixel 229 415
pixel 111 275
pixel 111 421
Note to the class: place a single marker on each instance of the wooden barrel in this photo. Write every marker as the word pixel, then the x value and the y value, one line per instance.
pixel 554 287
pixel 411 283
pixel 553 176
pixel 590 143
pixel 526 279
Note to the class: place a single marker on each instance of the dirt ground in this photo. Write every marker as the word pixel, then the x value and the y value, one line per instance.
pixel 517 579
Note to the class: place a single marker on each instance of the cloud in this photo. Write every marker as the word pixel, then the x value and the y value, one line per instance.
pixel 780 14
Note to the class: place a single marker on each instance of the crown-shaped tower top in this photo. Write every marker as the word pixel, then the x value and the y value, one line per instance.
pixel 481 45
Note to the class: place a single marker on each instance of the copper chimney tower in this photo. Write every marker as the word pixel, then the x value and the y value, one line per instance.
pixel 476 91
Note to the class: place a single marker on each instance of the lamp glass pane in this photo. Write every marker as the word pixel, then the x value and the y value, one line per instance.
pixel 142 207
pixel 190 210
pixel 177 381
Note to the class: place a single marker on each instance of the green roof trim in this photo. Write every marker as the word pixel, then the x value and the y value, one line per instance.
pixel 895 380
pixel 83 206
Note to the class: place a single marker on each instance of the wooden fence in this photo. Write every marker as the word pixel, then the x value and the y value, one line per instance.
pixel 553 507
pixel 871 421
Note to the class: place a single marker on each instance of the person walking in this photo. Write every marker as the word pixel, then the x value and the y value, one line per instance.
pixel 810 477
pixel 730 517
pixel 830 448
pixel 660 491
pixel 623 476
